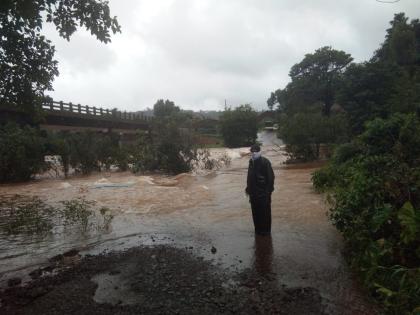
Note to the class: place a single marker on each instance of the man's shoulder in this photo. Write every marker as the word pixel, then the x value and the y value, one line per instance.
pixel 265 160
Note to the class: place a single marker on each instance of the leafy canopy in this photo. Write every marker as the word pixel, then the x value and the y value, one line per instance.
pixel 164 109
pixel 27 65
pixel 389 82
pixel 314 80
pixel 239 126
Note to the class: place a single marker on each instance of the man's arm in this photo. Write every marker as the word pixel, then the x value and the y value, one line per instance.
pixel 247 182
pixel 270 177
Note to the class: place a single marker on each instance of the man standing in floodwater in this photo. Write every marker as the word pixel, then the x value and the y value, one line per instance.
pixel 260 185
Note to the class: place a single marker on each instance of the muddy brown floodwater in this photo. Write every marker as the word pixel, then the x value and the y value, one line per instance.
pixel 200 212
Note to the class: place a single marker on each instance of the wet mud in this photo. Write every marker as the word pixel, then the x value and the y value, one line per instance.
pixel 185 217
pixel 157 280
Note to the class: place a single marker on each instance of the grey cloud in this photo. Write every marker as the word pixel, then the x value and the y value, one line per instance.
pixel 200 52
pixel 82 53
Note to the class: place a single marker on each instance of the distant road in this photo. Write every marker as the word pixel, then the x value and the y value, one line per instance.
pixel 269 138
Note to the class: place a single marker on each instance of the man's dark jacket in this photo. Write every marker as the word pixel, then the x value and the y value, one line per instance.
pixel 260 181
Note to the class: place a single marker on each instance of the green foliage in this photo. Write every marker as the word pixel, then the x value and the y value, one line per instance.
pixel 89 151
pixel 27 67
pixel 239 126
pixel 305 104
pixel 401 42
pixel 84 156
pixel 373 181
pixel 409 219
pixel 305 132
pixel 389 82
pixel 78 211
pixel 107 217
pixel 32 216
pixel 173 145
pixel 164 109
pixel 29 215
pixel 122 157
pixel 144 155
pixel 60 146
pixel 169 147
pixel 374 189
pixel 314 80
pixel 21 153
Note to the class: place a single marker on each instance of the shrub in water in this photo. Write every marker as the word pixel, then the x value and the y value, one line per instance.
pixel 21 152
pixel 25 215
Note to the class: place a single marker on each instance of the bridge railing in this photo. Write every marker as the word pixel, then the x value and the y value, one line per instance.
pixel 98 112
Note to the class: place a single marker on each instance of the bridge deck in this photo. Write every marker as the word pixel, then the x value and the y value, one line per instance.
pixel 68 115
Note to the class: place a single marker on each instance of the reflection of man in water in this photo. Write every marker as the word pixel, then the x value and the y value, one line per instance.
pixel 260 185
pixel 263 254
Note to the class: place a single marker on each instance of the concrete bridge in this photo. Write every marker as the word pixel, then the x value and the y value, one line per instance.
pixel 76 117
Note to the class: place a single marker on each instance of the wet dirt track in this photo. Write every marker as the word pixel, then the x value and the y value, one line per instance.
pixel 200 213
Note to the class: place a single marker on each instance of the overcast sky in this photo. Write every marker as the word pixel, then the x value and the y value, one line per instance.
pixel 199 53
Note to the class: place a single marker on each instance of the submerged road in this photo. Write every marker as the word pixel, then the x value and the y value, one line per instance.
pixel 204 212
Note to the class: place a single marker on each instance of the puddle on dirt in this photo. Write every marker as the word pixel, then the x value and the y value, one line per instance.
pixel 201 211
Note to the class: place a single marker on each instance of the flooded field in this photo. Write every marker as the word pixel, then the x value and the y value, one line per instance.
pixel 208 213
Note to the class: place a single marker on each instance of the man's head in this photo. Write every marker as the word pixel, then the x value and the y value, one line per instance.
pixel 255 148
pixel 255 151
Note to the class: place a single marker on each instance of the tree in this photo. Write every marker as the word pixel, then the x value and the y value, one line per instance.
pixel 305 132
pixel 389 82
pixel 366 91
pixel 239 126
pixel 271 101
pixel 164 109
pixel 169 146
pixel 401 42
pixel 317 77
pixel 27 65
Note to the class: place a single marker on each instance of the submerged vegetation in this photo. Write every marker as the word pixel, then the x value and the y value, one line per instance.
pixel 21 152
pixel 25 215
pixel 32 216
pixel 169 147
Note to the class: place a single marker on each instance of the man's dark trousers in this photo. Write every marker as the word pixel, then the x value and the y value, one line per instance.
pixel 261 213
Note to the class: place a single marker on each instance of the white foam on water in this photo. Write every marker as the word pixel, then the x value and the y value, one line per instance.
pixel 102 181
pixel 65 185
pixel 147 179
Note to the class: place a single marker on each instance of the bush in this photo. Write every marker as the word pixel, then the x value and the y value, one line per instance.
pixel 84 155
pixel 59 145
pixel 144 156
pixel 88 151
pixel 123 157
pixel 374 185
pixel 304 133
pixel 25 215
pixel 239 126
pixel 168 149
pixel 22 153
